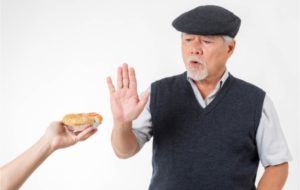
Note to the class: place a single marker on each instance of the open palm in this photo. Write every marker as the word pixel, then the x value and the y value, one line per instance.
pixel 125 102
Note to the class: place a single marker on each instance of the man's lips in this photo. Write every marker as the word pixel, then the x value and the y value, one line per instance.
pixel 195 62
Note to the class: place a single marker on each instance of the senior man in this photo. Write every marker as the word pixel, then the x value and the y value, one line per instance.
pixel 209 128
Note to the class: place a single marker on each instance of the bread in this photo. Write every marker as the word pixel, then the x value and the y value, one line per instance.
pixel 80 121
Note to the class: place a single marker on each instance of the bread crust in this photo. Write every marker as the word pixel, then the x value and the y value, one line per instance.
pixel 80 121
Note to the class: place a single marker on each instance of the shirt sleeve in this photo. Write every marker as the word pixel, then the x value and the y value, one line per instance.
pixel 271 144
pixel 142 125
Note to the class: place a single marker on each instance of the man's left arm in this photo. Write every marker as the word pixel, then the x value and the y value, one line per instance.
pixel 272 148
pixel 274 177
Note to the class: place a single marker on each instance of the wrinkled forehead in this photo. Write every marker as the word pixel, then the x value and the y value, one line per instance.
pixel 212 37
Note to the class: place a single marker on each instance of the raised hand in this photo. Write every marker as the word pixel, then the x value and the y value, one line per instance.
pixel 125 102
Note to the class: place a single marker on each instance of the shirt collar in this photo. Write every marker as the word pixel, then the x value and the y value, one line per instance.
pixel 212 95
pixel 224 78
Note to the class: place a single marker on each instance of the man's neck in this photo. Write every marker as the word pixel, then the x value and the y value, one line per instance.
pixel 208 85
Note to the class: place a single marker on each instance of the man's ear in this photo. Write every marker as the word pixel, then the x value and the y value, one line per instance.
pixel 231 46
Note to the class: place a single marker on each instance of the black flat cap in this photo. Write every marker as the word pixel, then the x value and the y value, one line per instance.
pixel 208 20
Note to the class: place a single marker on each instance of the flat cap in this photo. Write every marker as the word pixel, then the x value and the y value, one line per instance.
pixel 208 20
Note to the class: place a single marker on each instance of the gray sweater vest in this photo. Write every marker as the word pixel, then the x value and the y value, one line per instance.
pixel 204 149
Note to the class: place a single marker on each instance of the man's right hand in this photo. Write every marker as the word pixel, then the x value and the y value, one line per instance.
pixel 125 106
pixel 125 103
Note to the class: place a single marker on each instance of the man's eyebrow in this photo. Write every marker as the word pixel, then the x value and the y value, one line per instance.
pixel 211 37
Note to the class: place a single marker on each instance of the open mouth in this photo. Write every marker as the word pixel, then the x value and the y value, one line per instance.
pixel 195 62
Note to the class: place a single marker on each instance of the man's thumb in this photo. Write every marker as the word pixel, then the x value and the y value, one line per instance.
pixel 143 101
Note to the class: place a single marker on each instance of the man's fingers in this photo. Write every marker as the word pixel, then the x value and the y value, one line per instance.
pixel 125 76
pixel 110 85
pixel 132 79
pixel 119 78
pixel 143 100
pixel 85 134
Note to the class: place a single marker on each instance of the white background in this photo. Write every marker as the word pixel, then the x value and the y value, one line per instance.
pixel 56 55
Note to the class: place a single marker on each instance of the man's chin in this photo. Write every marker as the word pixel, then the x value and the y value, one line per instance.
pixel 197 77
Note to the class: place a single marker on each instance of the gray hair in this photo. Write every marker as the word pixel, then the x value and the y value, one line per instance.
pixel 227 38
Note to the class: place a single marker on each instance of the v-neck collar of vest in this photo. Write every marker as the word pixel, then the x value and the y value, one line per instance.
pixel 219 96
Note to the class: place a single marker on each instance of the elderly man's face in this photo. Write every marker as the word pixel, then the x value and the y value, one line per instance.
pixel 205 56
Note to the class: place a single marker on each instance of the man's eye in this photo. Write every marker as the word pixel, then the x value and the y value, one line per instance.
pixel 207 42
pixel 188 40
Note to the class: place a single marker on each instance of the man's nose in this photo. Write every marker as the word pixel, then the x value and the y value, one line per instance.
pixel 196 50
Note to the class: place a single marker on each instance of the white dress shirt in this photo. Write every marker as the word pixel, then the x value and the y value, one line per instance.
pixel 271 144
